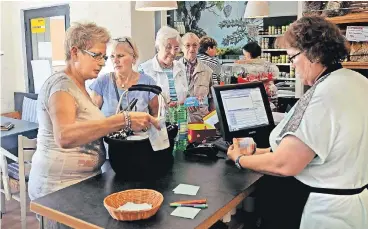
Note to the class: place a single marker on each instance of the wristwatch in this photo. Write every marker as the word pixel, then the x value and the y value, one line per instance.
pixel 237 161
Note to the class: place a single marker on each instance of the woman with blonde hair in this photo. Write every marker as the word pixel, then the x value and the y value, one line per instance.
pixel 69 141
pixel 107 89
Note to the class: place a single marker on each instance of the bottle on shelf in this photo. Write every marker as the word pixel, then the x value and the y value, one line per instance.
pixel 292 72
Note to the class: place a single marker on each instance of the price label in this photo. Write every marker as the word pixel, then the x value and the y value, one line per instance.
pixel 357 33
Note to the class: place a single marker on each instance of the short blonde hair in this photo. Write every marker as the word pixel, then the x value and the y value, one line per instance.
pixel 187 36
pixel 84 36
pixel 125 40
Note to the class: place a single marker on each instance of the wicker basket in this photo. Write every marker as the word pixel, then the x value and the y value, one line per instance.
pixel 138 196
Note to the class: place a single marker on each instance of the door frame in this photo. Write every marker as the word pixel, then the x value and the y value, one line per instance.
pixel 60 10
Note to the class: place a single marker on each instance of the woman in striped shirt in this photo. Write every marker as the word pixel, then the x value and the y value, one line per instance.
pixel 207 53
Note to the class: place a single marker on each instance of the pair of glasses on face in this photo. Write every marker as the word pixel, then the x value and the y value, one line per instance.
pixel 187 46
pixel 291 59
pixel 168 48
pixel 96 56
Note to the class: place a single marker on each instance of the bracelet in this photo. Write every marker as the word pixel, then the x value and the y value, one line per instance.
pixel 255 149
pixel 128 122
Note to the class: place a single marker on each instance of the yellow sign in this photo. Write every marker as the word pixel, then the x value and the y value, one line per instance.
pixel 38 25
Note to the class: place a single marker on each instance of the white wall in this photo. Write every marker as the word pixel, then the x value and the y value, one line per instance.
pixel 143 33
pixel 283 8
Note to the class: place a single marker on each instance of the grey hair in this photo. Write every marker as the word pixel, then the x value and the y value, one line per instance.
pixel 164 34
pixel 122 40
pixel 187 36
pixel 84 36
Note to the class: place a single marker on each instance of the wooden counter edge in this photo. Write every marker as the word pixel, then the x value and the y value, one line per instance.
pixel 61 217
pixel 227 208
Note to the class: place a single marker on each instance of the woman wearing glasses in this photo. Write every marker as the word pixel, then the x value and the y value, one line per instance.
pixel 71 127
pixel 319 153
pixel 107 89
pixel 168 73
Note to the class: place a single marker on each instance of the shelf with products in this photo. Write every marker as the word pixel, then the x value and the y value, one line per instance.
pixel 276 35
pixel 355 65
pixel 180 27
pixel 276 58
pixel 350 18
pixel 285 79
pixel 353 19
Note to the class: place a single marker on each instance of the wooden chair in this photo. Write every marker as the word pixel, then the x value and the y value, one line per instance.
pixel 13 184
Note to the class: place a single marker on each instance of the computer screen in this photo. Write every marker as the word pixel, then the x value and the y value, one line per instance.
pixel 244 108
pixel 244 111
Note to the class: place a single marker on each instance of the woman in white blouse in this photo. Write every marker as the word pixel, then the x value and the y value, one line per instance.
pixel 319 153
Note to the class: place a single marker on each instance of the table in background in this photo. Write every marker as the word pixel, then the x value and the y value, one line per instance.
pixel 9 138
pixel 221 183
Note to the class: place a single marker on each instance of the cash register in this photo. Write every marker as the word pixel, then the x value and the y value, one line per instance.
pixel 243 110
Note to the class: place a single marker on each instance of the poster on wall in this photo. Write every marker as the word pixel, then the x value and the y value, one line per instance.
pixel 221 20
pixel 38 25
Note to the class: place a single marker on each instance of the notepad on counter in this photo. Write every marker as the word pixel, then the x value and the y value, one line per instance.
pixel 186 189
pixel 186 212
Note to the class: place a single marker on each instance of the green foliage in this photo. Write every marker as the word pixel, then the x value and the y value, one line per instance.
pixel 229 51
pixel 241 32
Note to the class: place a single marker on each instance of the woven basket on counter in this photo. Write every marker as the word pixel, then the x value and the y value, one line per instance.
pixel 138 196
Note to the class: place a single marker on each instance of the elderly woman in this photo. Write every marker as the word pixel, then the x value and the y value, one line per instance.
pixel 319 151
pixel 69 141
pixel 107 89
pixel 168 73
pixel 206 53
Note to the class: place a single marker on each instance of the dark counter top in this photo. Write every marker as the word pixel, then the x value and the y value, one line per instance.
pixel 221 183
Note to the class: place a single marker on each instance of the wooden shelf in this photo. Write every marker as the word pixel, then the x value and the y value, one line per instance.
pixel 355 65
pixel 276 35
pixel 273 50
pixel 281 78
pixel 349 18
pixel 282 64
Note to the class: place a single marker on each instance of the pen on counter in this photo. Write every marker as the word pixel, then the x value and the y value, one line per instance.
pixel 189 205
pixel 201 201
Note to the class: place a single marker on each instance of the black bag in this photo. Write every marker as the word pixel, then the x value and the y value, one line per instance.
pixel 135 160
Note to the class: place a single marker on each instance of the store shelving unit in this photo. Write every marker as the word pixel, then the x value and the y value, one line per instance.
pixel 352 19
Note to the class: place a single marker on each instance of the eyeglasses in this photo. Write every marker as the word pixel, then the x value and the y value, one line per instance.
pixel 291 59
pixel 168 48
pixel 96 56
pixel 187 46
pixel 124 39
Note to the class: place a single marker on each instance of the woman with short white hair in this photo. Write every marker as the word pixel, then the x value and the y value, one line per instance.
pixel 168 73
